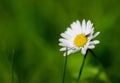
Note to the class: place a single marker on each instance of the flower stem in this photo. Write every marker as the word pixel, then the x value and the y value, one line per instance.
pixel 80 72
pixel 93 53
pixel 64 72
pixel 96 58
pixel 12 70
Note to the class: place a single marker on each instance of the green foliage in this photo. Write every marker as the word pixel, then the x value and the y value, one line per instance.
pixel 30 29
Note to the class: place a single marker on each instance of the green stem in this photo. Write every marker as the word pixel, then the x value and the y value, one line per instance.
pixel 64 72
pixel 96 58
pixel 12 70
pixel 80 72
pixel 98 61
pixel 93 53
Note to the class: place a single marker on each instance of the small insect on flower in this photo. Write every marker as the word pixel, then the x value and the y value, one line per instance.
pixel 79 36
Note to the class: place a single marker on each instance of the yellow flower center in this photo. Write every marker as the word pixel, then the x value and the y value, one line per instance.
pixel 80 40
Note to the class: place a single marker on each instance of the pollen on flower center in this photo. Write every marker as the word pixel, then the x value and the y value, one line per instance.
pixel 80 40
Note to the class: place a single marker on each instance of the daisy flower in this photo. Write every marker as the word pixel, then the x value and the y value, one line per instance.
pixel 79 36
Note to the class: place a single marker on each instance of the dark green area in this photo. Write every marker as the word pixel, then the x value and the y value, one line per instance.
pixel 30 29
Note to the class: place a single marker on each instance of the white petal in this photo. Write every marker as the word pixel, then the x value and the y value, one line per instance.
pixel 75 26
pixel 83 26
pixel 62 40
pixel 68 52
pixel 63 49
pixel 78 23
pixel 94 42
pixel 73 51
pixel 62 44
pixel 91 46
pixel 79 27
pixel 66 36
pixel 96 34
pixel 65 44
pixel 64 54
pixel 92 30
pixel 84 50
pixel 88 27
pixel 70 32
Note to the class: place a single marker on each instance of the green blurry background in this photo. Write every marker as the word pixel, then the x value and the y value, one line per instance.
pixel 30 29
